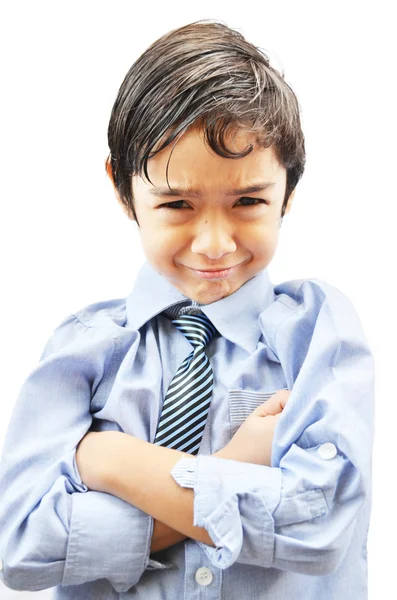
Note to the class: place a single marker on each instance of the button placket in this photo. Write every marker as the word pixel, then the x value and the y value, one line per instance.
pixel 196 558
pixel 204 576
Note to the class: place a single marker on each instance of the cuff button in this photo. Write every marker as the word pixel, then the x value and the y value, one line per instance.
pixel 327 451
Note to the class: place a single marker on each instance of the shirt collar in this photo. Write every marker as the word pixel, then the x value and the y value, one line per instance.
pixel 235 317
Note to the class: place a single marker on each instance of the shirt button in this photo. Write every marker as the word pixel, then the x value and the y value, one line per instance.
pixel 327 451
pixel 204 576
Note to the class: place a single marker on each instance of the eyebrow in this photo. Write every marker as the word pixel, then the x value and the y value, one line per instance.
pixel 165 191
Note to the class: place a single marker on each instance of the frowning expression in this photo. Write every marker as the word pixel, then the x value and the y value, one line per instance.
pixel 218 225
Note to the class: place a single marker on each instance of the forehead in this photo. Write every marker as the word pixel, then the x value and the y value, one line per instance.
pixel 192 164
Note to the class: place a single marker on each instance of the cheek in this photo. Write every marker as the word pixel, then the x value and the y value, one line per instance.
pixel 161 242
pixel 262 236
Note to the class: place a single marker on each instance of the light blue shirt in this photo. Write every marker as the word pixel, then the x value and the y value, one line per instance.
pixel 295 529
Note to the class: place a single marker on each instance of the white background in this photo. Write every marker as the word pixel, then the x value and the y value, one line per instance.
pixel 65 242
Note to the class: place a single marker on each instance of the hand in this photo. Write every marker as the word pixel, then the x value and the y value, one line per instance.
pixel 252 442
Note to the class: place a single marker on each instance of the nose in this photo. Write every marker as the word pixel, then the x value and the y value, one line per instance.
pixel 214 239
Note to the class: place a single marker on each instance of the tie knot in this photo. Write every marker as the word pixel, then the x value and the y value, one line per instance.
pixel 198 329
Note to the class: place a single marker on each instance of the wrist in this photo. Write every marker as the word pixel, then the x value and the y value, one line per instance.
pixel 224 453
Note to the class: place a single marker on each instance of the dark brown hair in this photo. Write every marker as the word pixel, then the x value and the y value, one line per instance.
pixel 203 73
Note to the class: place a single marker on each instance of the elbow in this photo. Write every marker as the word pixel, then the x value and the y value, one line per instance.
pixel 21 573
pixel 22 579
pixel 16 570
pixel 326 562
pixel 12 584
pixel 24 567
pixel 320 554
pixel 317 562
pixel 332 555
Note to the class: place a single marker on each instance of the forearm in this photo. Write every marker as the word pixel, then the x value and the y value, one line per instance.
pixel 164 536
pixel 138 472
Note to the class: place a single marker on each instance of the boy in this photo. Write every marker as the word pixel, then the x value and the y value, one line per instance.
pixel 211 434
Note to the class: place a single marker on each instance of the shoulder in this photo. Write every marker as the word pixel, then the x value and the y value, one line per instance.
pixel 312 292
pixel 305 295
pixel 103 313
pixel 301 305
pixel 96 325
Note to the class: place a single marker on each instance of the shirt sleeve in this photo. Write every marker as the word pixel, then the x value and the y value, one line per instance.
pixel 298 514
pixel 54 530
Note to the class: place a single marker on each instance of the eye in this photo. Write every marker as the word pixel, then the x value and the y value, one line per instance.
pixel 177 204
pixel 251 200
pixel 173 205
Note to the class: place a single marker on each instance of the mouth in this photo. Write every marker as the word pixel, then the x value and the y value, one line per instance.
pixel 215 273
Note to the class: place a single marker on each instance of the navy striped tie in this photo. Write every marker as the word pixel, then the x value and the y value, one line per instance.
pixel 188 397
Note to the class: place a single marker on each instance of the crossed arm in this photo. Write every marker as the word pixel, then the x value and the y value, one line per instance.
pixel 138 472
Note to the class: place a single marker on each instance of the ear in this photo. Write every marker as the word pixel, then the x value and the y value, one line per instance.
pixel 108 167
pixel 289 203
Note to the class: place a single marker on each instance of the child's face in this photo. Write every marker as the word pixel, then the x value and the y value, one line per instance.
pixel 218 228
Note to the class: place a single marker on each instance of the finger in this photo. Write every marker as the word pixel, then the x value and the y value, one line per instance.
pixel 283 396
pixel 274 405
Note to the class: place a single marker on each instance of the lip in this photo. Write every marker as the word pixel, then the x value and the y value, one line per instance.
pixel 215 273
pixel 215 270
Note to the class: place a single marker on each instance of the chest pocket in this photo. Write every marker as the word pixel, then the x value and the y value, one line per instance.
pixel 243 402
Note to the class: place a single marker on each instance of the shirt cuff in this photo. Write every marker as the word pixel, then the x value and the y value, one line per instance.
pixel 184 472
pixel 234 502
pixel 118 551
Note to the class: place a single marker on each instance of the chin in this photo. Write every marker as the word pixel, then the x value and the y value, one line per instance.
pixel 211 292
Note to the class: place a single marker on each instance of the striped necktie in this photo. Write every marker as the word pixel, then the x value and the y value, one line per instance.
pixel 188 397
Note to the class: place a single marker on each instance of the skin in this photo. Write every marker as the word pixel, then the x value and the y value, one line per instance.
pixel 213 230
pixel 138 472
pixel 181 234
